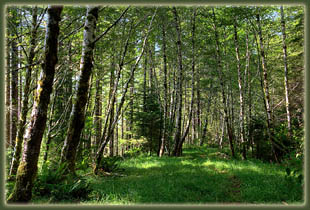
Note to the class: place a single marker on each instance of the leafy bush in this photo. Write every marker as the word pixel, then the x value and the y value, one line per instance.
pixel 111 164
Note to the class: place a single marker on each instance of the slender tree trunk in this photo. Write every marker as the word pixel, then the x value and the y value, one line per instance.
pixel 106 138
pixel 287 102
pixel 77 118
pixel 242 134
pixel 98 113
pixel 24 111
pixel 222 132
pixel 27 169
pixel 49 130
pixel 220 72
pixel 164 130
pixel 266 88
pixel 204 130
pixel 8 96
pixel 116 140
pixel 249 91
pixel 192 87
pixel 14 92
pixel 112 78
pixel 177 135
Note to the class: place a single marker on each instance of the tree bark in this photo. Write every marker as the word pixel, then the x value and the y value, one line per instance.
pixel 8 96
pixel 164 132
pixel 27 169
pixel 220 73
pixel 97 118
pixel 287 101
pixel 178 123
pixel 266 87
pixel 14 93
pixel 192 87
pixel 242 134
pixel 77 118
pixel 24 111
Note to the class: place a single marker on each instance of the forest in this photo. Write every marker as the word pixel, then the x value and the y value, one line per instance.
pixel 154 104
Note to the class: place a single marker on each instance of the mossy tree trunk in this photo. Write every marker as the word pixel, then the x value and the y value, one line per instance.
pixel 27 169
pixel 77 118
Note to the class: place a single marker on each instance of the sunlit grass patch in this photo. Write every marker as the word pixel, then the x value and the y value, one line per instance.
pixel 194 178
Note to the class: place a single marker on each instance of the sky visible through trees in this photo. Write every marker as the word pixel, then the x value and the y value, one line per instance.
pixel 91 87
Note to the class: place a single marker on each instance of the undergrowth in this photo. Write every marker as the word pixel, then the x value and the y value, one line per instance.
pixel 201 175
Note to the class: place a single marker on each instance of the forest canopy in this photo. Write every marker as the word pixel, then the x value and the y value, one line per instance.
pixel 87 86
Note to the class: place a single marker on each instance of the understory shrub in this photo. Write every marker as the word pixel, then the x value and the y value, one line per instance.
pixel 51 182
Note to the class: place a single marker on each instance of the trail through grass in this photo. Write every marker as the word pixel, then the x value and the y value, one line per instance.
pixel 199 176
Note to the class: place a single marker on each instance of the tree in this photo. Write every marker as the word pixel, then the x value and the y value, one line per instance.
pixel 77 117
pixel 287 101
pixel 178 123
pixel 27 169
pixel 22 122
pixel 242 134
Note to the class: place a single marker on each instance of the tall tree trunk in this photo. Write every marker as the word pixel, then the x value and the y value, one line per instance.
pixel 192 87
pixel 27 169
pixel 177 135
pixel 204 130
pixel 14 92
pixel 266 87
pixel 112 78
pixel 287 102
pixel 22 122
pixel 242 134
pixel 98 112
pixel 77 118
pixel 8 96
pixel 164 130
pixel 249 91
pixel 220 72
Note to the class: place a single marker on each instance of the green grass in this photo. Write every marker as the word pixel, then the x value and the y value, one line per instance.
pixel 199 176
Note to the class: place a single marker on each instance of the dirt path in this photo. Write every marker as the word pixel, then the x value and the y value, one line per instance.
pixel 234 188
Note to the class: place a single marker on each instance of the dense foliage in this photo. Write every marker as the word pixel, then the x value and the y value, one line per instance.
pixel 157 79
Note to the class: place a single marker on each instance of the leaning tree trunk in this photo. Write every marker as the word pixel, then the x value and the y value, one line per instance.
pixel 242 134
pixel 24 111
pixel 27 169
pixel 106 137
pixel 287 102
pixel 77 118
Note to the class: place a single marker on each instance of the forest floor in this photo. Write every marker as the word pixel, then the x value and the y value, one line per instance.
pixel 200 176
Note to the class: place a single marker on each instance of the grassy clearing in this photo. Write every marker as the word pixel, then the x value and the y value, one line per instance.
pixel 199 176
